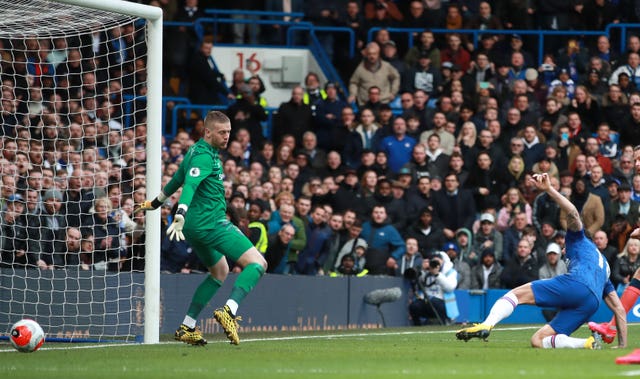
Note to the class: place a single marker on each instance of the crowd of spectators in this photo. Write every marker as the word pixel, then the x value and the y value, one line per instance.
pixel 362 15
pixel 435 143
pixel 432 144
pixel 71 168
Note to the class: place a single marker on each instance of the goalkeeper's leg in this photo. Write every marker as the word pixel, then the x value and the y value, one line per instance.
pixel 188 332
pixel 254 266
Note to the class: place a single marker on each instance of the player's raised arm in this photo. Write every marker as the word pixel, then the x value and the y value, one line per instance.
pixel 542 182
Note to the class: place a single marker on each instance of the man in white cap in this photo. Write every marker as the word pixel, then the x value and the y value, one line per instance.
pixel 554 265
pixel 487 236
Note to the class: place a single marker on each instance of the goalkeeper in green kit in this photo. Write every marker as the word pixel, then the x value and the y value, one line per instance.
pixel 201 218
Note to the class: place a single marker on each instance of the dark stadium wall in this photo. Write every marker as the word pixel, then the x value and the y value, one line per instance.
pixel 289 303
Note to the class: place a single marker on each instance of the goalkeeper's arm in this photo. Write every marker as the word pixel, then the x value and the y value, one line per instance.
pixel 149 205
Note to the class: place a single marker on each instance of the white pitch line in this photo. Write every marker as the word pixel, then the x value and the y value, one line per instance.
pixel 286 338
pixel 346 335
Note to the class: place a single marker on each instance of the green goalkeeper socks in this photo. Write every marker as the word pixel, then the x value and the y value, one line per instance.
pixel 203 295
pixel 247 279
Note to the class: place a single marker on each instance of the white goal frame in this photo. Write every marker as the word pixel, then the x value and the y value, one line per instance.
pixel 153 16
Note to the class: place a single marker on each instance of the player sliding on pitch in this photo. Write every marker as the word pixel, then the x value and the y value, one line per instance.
pixel 575 294
pixel 202 220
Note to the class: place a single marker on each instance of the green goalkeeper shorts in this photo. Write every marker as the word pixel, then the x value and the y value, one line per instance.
pixel 223 240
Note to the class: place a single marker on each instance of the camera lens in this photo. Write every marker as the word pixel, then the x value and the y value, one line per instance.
pixel 410 273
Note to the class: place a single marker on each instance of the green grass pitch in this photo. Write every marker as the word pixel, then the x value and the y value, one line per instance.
pixel 379 353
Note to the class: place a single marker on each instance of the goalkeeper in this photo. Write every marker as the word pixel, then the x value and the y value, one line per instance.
pixel 200 218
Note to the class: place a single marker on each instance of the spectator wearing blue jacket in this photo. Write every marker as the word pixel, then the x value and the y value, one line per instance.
pixel 386 246
pixel 176 256
pixel 314 254
pixel 399 146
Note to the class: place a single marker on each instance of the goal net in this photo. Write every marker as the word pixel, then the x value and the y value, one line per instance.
pixel 74 158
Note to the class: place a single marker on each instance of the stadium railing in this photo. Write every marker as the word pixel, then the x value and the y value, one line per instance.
pixel 328 29
pixel 316 49
pixel 129 101
pixel 624 28
pixel 222 16
pixel 177 24
pixel 227 13
pixel 189 108
pixel 231 12
pixel 323 60
pixel 200 23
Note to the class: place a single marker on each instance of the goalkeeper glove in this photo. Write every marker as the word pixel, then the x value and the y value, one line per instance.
pixel 149 205
pixel 175 229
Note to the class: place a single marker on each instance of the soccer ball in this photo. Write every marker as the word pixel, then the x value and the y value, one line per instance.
pixel 26 336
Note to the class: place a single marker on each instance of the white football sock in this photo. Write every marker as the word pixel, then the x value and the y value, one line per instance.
pixel 233 306
pixel 502 309
pixel 189 322
pixel 562 341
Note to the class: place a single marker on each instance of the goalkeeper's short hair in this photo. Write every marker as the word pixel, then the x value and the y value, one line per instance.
pixel 216 117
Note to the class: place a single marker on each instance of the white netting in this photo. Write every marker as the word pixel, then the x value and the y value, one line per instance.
pixel 72 165
pixel 50 19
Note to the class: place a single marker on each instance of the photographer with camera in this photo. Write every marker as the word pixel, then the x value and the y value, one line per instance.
pixel 433 288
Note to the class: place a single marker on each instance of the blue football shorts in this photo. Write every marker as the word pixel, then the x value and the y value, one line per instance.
pixel 573 300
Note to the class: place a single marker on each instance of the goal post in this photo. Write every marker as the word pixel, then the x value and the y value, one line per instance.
pixel 93 300
pixel 153 15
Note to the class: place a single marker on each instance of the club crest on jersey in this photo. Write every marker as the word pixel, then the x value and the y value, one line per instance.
pixel 195 172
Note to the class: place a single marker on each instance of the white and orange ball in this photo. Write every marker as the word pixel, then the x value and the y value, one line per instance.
pixel 26 336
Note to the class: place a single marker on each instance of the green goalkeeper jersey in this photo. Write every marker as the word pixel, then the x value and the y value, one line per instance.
pixel 200 175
